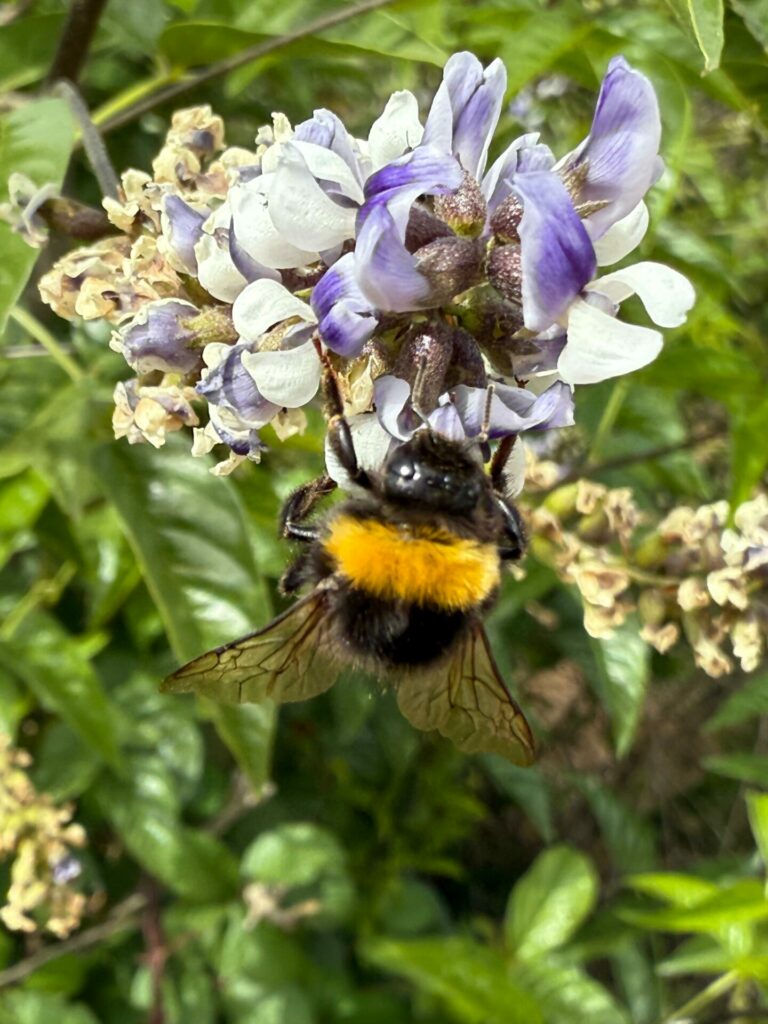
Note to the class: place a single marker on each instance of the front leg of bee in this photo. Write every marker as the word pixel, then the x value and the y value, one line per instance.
pixel 512 542
pixel 299 507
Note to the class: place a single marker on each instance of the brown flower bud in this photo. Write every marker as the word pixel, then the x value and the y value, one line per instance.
pixel 463 210
pixel 505 271
pixel 424 228
pixel 506 219
pixel 451 264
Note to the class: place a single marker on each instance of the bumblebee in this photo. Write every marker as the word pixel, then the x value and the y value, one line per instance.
pixel 399 579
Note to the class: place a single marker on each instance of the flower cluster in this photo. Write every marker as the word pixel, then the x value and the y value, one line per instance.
pixel 444 292
pixel 690 576
pixel 39 836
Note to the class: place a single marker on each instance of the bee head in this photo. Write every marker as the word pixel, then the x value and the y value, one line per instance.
pixel 434 472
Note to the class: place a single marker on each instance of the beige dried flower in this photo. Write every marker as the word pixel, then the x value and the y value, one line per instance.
pixel 149 413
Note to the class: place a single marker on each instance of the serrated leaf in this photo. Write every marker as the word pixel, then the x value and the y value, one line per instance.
pixel 549 902
pixel 704 21
pixel 470 979
pixel 188 531
pixel 623 662
pixel 35 140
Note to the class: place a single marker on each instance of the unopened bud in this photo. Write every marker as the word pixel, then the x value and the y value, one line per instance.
pixel 505 271
pixel 465 209
pixel 452 265
pixel 423 228
pixel 506 219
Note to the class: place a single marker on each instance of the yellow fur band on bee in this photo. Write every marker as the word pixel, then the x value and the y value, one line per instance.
pixel 421 566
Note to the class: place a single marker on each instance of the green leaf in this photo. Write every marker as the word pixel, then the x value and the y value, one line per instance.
pixel 748 458
pixel 750 701
pixel 623 662
pixel 528 788
pixel 64 767
pixel 568 994
pixel 746 767
pixel 704 20
pixel 757 808
pixel 754 14
pixel 35 140
pixel 188 531
pixel 470 979
pixel 54 667
pixel 739 903
pixel 549 902
pixel 673 887
pixel 628 836
pixel 30 1007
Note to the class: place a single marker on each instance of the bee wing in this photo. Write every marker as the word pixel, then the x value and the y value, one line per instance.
pixel 467 701
pixel 285 661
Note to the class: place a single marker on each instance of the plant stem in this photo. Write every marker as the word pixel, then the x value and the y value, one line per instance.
pixel 32 326
pixel 93 144
pixel 75 40
pixel 712 992
pixel 251 53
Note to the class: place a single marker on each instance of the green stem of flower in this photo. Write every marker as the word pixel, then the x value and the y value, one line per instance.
pixel 41 593
pixel 608 419
pixel 32 326
pixel 712 992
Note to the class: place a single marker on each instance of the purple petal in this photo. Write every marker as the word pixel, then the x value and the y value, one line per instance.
pixel 346 319
pixel 557 254
pixel 425 171
pixel 513 409
pixel 230 387
pixel 466 109
pixel 157 338
pixel 326 129
pixel 446 420
pixel 250 268
pixel 621 150
pixel 524 155
pixel 392 398
pixel 386 271
pixel 183 229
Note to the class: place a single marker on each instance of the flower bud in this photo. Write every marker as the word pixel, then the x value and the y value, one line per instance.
pixel 465 209
pixel 160 338
pixel 452 265
pixel 506 219
pixel 423 228
pixel 505 271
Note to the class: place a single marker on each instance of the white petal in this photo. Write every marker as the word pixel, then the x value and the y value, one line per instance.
pixel 263 304
pixel 288 377
pixel 371 442
pixel 514 470
pixel 301 211
pixel 665 293
pixel 599 346
pixel 622 237
pixel 396 131
pixel 256 232
pixel 216 271
pixel 329 166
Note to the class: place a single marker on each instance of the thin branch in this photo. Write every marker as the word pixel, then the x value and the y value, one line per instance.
pixel 75 40
pixel 123 916
pixel 52 346
pixel 95 150
pixel 237 60
pixel 620 461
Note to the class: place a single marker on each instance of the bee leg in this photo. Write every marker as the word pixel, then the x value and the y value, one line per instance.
pixel 339 433
pixel 296 575
pixel 513 542
pixel 499 462
pixel 298 507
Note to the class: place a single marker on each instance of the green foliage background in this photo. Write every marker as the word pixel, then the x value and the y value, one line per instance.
pixel 619 880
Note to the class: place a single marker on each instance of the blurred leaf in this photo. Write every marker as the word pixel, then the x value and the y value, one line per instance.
pixel 704 18
pixel 738 903
pixel 35 140
pixel 568 994
pixel 623 662
pixel 748 459
pixel 675 888
pixel 472 981
pixel 527 787
pixel 188 531
pixel 30 1007
pixel 628 836
pixel 26 49
pixel 757 807
pixel 549 902
pixel 746 767
pixel 750 701
pixel 63 767
pixel 55 669
pixel 755 16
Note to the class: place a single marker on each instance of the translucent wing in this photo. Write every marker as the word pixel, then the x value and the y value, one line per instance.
pixel 287 660
pixel 467 701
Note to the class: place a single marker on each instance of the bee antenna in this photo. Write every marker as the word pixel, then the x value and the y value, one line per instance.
pixel 485 426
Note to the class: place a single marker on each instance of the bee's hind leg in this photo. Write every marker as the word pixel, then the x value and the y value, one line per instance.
pixel 300 505
pixel 339 433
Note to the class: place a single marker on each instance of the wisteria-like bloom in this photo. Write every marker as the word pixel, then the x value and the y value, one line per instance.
pixel 436 286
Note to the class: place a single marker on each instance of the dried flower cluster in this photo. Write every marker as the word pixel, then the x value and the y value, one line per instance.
pixel 446 294
pixel 690 575
pixel 39 836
